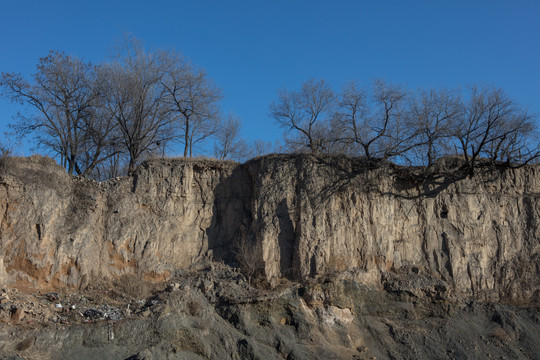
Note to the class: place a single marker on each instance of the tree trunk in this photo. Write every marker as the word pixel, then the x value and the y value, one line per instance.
pixel 186 139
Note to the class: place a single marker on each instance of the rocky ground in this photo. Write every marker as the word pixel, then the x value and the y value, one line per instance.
pixel 211 312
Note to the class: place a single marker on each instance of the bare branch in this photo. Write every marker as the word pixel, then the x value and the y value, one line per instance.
pixel 303 111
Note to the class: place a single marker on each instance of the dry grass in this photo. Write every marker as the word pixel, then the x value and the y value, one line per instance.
pixel 9 162
pixel 249 256
pixel 191 160
pixel 134 287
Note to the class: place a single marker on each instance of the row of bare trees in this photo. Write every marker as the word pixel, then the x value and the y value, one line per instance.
pixel 386 121
pixel 103 120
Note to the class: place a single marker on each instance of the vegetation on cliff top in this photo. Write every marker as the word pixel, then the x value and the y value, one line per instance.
pixel 102 120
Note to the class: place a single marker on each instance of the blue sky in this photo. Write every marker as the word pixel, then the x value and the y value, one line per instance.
pixel 253 48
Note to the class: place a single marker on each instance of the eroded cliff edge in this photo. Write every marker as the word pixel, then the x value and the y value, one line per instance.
pixel 315 217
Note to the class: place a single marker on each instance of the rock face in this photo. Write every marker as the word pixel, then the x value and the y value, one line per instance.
pixel 481 235
pixel 58 230
pixel 315 217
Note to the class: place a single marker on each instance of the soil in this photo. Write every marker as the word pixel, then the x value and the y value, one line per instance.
pixel 211 312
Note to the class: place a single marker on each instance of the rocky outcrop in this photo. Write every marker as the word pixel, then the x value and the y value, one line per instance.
pixel 322 216
pixel 315 217
pixel 59 230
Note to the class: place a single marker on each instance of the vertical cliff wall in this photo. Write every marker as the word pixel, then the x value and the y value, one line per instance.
pixel 321 216
pixel 313 216
pixel 58 230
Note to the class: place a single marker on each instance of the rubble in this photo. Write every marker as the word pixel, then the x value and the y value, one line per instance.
pixel 212 312
pixel 36 309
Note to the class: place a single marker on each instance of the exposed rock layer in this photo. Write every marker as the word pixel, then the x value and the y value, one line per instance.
pixel 315 217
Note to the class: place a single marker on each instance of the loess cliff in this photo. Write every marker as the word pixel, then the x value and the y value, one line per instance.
pixel 352 261
pixel 314 217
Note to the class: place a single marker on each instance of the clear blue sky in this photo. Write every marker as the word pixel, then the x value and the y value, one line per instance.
pixel 254 48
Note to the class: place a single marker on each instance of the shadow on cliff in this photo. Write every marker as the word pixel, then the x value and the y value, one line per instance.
pixel 231 214
pixel 286 240
pixel 252 192
pixel 386 178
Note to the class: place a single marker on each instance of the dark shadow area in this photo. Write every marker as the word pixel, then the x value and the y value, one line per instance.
pixel 232 217
pixel 409 182
pixel 286 239
pixel 342 173
pixel 315 181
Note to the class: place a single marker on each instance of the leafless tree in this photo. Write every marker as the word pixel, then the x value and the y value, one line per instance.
pixel 260 147
pixel 192 99
pixel 229 144
pixel 5 150
pixel 304 112
pixel 130 107
pixel 103 141
pixel 432 116
pixel 114 166
pixel 135 99
pixel 375 122
pixel 63 96
pixel 493 126
pixel 249 255
pixel 519 143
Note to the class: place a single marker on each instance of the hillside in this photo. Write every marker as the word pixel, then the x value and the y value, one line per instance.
pixel 349 261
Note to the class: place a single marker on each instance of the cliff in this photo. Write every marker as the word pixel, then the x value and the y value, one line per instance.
pixel 315 218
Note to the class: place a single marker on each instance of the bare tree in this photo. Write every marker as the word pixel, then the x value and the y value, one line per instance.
pixel 229 144
pixel 432 116
pixel 131 107
pixel 62 94
pixel 493 126
pixel 103 141
pixel 5 150
pixel 519 143
pixel 260 147
pixel 135 99
pixel 350 118
pixel 303 111
pixel 192 99
pixel 114 166
pixel 375 122
pixel 249 256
